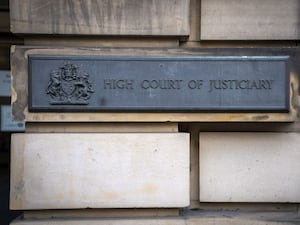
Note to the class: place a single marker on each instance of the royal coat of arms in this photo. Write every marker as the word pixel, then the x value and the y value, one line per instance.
pixel 69 86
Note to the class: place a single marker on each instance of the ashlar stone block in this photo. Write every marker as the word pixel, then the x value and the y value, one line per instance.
pixel 250 20
pixel 99 170
pixel 101 17
pixel 249 167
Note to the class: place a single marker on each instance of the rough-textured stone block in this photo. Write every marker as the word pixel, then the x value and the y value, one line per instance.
pixel 250 20
pixel 101 127
pixel 101 17
pixel 100 213
pixel 56 171
pixel 249 167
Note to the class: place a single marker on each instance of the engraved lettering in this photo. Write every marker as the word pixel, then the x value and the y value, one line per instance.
pixel 108 84
pixel 118 84
pixel 254 85
pixel 195 84
pixel 161 84
pixel 172 84
pixel 243 84
pixel 145 84
pixel 154 84
pixel 240 84
pixel 129 84
pixel 269 84
pixel 213 85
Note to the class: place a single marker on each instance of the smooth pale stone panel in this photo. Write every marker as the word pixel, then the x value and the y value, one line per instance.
pixel 108 170
pixel 101 17
pixel 249 167
pixel 250 20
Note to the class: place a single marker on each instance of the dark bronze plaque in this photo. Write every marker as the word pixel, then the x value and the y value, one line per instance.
pixel 170 83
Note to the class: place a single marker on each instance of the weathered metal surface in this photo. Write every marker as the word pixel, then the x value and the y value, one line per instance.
pixel 7 125
pixel 5 83
pixel 177 83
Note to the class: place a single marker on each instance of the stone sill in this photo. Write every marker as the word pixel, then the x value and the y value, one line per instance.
pixel 189 218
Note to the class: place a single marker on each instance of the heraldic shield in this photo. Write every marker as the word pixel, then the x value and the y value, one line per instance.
pixel 69 86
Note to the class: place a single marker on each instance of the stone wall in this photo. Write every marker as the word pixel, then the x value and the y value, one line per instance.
pixel 120 167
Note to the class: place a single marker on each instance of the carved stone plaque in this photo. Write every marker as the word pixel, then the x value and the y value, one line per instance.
pixel 148 83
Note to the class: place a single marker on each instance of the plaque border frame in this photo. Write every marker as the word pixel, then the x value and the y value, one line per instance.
pixel 217 109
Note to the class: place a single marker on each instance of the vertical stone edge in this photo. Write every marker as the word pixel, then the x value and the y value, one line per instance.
pixel 19 81
pixel 188 13
pixel 194 20
pixel 199 167
pixel 17 171
pixel 194 167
